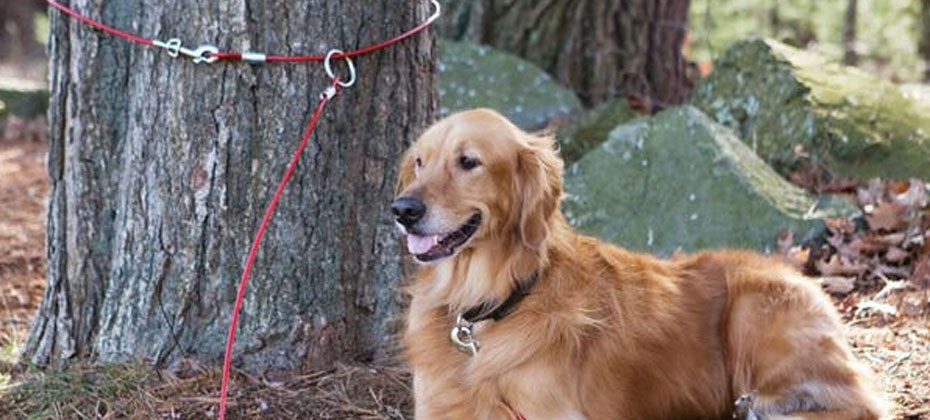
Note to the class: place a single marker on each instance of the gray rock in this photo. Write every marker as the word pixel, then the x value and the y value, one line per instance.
pixel 473 76
pixel 23 98
pixel 590 129
pixel 782 101
pixel 678 180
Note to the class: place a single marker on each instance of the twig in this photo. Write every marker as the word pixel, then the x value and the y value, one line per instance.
pixel 894 365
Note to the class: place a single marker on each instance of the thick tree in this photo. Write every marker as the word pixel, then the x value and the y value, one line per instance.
pixel 601 49
pixel 161 168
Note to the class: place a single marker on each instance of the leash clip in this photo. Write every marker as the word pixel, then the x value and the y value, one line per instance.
pixel 462 337
pixel 203 54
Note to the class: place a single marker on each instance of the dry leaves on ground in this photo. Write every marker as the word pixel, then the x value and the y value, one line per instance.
pixel 881 252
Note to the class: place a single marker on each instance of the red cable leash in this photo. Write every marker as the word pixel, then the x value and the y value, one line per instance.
pixel 328 95
pixel 211 54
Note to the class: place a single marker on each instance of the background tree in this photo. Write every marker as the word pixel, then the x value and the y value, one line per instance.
pixel 600 49
pixel 850 56
pixel 17 30
pixel 924 38
pixel 161 169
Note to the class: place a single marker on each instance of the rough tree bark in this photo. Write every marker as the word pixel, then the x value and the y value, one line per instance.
pixel 601 49
pixel 161 170
pixel 850 56
pixel 924 38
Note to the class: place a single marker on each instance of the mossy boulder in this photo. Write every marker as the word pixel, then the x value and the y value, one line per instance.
pixel 678 180
pixel 473 76
pixel 588 130
pixel 22 98
pixel 789 104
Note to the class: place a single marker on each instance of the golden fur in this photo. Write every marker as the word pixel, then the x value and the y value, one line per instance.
pixel 605 334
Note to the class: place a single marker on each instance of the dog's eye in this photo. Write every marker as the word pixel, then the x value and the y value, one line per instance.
pixel 419 163
pixel 468 163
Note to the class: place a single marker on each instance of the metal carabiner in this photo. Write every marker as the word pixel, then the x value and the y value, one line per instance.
pixel 203 54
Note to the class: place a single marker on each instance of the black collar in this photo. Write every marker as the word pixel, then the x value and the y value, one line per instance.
pixel 486 310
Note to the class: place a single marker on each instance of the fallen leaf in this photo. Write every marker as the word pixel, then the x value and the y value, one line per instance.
pixel 866 245
pixel 838 285
pixel 785 241
pixel 840 226
pixel 839 266
pixel 911 194
pixel 888 217
pixel 889 239
pixel 799 256
pixel 882 269
pixel 898 187
pixel 921 275
pixel 871 192
pixel 896 255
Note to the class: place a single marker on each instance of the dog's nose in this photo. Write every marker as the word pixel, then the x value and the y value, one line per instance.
pixel 408 210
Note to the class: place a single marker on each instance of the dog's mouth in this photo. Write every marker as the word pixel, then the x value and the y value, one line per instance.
pixel 427 248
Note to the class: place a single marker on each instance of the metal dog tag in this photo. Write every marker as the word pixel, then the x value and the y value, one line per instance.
pixel 462 337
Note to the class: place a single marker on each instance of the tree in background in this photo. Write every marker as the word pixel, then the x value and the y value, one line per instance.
pixel 924 38
pixel 885 35
pixel 17 30
pixel 600 49
pixel 161 169
pixel 850 57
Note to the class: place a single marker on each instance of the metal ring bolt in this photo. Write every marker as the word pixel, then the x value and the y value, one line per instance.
pixel 327 64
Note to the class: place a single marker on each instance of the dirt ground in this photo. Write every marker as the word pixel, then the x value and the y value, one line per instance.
pixel 897 346
pixel 23 191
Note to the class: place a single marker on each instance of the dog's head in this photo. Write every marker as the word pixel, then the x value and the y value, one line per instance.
pixel 475 177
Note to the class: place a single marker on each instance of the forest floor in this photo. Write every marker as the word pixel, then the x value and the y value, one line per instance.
pixel 896 346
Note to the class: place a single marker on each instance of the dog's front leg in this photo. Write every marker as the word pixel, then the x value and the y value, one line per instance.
pixel 425 405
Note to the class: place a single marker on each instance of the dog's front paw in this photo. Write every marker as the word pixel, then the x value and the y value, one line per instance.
pixel 742 408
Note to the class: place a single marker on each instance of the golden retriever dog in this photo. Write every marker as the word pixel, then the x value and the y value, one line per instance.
pixel 515 316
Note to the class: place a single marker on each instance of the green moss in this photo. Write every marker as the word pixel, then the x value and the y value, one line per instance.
pixel 680 181
pixel 23 98
pixel 472 76
pixel 780 99
pixel 591 129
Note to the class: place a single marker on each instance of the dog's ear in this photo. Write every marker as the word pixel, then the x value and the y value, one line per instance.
pixel 539 186
pixel 406 173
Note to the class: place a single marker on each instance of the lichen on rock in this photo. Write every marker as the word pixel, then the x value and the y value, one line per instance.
pixel 678 180
pixel 472 76
pixel 23 98
pixel 790 105
pixel 588 130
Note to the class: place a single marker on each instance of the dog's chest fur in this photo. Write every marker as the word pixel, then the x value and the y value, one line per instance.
pixel 546 359
pixel 503 375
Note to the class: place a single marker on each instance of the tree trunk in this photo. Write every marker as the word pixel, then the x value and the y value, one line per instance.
pixel 161 170
pixel 924 39
pixel 850 57
pixel 601 49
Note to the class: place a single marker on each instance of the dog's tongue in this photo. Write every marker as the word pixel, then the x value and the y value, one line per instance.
pixel 417 244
